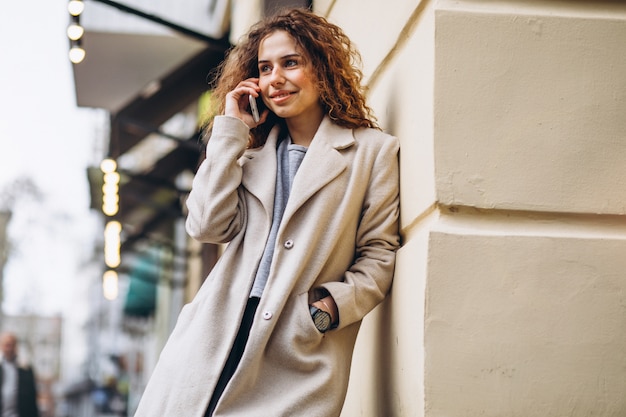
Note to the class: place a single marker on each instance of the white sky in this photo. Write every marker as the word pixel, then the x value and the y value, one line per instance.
pixel 45 137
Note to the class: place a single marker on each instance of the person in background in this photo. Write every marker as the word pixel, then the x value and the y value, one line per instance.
pixel 307 198
pixel 17 383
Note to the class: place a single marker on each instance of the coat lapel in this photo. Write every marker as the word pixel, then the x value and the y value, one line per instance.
pixel 323 162
pixel 259 174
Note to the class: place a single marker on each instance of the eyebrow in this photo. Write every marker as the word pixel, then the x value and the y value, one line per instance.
pixel 295 54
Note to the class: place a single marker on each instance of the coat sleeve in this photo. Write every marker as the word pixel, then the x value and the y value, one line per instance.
pixel 216 207
pixel 368 280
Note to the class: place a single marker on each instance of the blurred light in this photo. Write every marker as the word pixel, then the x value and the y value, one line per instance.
pixel 110 198
pixel 110 285
pixel 110 207
pixel 108 165
pixel 75 31
pixel 112 178
pixel 112 240
pixel 77 54
pixel 75 7
pixel 110 188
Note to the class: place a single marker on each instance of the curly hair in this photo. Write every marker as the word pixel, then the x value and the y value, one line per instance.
pixel 334 61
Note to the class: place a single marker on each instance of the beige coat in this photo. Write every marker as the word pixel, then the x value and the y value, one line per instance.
pixel 339 231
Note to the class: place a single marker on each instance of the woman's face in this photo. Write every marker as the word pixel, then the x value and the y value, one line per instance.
pixel 286 78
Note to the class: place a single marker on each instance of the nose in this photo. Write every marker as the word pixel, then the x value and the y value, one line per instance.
pixel 277 76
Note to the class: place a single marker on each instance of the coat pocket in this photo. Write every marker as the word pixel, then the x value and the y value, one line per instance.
pixel 295 340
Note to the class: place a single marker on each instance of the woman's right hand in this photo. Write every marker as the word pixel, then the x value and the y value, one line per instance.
pixel 237 104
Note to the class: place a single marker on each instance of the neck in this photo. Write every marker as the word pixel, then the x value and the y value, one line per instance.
pixel 303 130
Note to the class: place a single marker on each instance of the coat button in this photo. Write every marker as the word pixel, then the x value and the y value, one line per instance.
pixel 267 315
pixel 288 244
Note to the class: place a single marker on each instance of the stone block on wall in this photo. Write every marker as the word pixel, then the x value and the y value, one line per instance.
pixel 374 27
pixel 401 95
pixel 525 325
pixel 530 105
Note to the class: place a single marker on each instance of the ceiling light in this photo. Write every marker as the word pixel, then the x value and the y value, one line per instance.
pixel 75 31
pixel 77 54
pixel 75 7
pixel 110 287
pixel 108 165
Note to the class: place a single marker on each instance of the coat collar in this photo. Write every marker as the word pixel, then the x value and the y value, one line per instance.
pixel 323 163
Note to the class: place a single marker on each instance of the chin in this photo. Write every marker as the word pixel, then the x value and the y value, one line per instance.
pixel 283 114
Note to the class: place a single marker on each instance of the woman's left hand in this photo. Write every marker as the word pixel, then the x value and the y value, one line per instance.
pixel 328 305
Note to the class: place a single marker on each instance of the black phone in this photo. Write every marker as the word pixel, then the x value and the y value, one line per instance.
pixel 254 109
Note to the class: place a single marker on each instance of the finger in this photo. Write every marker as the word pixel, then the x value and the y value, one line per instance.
pixel 251 85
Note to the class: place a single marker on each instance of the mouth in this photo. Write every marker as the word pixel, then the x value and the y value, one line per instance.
pixel 281 96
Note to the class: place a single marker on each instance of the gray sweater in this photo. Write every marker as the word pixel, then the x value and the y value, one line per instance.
pixel 289 157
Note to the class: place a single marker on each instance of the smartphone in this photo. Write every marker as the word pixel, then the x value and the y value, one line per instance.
pixel 254 109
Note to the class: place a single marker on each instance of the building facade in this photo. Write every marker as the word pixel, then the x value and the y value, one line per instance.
pixel 509 292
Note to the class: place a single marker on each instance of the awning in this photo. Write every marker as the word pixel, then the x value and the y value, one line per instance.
pixel 142 287
pixel 151 200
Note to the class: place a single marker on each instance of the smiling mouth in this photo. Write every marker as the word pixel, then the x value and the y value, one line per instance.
pixel 281 95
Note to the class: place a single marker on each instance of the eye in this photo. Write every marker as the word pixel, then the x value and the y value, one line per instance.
pixel 264 68
pixel 291 63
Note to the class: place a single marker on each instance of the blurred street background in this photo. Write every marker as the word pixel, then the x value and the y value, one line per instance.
pixel 86 320
pixel 99 140
pixel 48 234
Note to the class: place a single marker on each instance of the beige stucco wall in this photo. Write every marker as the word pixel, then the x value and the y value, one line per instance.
pixel 510 291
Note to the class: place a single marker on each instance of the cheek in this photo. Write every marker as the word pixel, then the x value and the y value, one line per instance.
pixel 264 86
pixel 308 81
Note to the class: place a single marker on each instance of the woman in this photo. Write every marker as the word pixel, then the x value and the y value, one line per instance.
pixel 307 199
